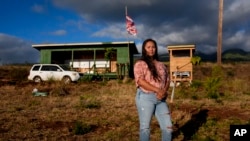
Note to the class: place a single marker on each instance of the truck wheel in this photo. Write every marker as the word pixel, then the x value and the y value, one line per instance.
pixel 66 80
pixel 37 79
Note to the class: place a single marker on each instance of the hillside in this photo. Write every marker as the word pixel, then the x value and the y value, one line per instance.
pixel 228 55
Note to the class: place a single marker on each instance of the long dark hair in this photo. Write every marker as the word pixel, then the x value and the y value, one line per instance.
pixel 149 60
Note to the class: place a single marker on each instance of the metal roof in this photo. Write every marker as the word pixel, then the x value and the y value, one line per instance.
pixel 188 46
pixel 131 44
pixel 82 44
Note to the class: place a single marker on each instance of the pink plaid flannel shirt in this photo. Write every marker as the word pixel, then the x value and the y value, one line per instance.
pixel 141 71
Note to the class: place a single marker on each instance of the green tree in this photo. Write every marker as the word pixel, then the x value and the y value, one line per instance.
pixel 195 60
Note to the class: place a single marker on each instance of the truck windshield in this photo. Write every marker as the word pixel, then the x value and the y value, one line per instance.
pixel 65 67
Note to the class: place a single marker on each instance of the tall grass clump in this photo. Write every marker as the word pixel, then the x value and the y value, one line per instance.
pixel 195 88
pixel 81 128
pixel 211 87
pixel 213 83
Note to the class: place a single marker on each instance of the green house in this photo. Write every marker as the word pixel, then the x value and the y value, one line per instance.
pixel 113 59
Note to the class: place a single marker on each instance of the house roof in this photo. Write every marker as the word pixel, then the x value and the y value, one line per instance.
pixel 130 44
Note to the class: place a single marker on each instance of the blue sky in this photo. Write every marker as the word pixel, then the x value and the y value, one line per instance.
pixel 27 22
pixel 40 21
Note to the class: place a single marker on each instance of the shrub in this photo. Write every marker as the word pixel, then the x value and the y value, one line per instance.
pixel 81 128
pixel 212 86
pixel 213 83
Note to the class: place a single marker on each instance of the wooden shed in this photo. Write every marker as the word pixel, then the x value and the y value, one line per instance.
pixel 89 58
pixel 181 68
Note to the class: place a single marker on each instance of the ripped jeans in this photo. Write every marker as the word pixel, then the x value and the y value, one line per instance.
pixel 147 106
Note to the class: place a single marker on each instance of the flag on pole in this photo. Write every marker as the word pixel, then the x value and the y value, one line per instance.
pixel 130 25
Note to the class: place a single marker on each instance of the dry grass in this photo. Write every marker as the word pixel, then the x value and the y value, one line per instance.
pixel 106 110
pixel 24 116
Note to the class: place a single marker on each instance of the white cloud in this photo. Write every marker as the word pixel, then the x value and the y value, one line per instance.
pixel 60 32
pixel 38 8
pixel 237 10
pixel 116 31
pixel 240 40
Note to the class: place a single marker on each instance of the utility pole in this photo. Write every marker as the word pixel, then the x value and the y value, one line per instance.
pixel 219 41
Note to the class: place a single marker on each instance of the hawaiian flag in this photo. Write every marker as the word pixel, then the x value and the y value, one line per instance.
pixel 130 25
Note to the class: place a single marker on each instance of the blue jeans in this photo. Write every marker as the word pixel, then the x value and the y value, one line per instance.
pixel 147 106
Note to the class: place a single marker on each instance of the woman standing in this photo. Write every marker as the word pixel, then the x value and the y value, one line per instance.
pixel 152 82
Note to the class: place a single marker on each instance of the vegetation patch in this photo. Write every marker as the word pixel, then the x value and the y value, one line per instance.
pixel 81 128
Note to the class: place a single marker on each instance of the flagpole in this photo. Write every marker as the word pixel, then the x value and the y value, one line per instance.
pixel 126 13
pixel 131 29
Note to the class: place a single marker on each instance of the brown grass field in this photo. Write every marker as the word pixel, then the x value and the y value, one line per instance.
pixel 105 110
